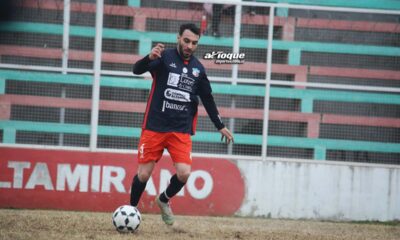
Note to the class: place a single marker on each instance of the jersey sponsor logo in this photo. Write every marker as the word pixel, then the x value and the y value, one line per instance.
pixel 184 70
pixel 177 95
pixel 173 79
pixel 181 81
pixel 186 83
pixel 173 106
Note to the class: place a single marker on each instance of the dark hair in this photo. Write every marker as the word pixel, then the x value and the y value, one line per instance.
pixel 189 26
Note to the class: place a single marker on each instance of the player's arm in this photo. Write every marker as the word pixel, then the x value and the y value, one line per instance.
pixel 212 111
pixel 145 64
pixel 211 108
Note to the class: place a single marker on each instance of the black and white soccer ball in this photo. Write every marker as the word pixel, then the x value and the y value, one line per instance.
pixel 126 219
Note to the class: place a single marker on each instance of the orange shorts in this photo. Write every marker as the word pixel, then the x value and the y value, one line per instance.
pixel 152 145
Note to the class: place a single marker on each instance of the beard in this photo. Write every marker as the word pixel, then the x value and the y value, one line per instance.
pixel 185 55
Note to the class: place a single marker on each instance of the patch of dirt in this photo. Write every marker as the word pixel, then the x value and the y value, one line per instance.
pixel 47 224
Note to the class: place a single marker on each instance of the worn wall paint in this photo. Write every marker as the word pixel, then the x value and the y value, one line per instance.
pixel 320 190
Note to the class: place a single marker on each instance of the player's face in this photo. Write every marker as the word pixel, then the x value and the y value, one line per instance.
pixel 187 43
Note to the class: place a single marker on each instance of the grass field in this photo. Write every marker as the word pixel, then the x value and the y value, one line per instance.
pixel 45 224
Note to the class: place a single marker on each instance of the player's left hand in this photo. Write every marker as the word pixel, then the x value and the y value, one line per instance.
pixel 226 135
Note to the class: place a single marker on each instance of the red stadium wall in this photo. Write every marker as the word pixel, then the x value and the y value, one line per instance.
pixel 94 181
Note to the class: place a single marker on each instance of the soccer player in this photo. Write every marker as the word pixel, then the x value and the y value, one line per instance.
pixel 171 114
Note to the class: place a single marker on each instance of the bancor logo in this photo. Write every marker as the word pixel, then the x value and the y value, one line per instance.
pixel 75 180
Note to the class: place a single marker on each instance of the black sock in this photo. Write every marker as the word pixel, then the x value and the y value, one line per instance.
pixel 137 189
pixel 173 188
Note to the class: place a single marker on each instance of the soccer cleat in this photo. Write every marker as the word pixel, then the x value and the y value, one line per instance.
pixel 166 212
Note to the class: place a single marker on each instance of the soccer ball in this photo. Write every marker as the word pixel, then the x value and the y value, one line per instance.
pixel 126 219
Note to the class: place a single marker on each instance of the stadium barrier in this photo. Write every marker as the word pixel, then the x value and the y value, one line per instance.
pixel 306 96
pixel 137 32
pixel 300 72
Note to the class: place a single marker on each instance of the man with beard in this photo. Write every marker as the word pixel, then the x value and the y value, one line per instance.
pixel 179 79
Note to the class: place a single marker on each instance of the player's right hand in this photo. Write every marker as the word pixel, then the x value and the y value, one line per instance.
pixel 156 51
